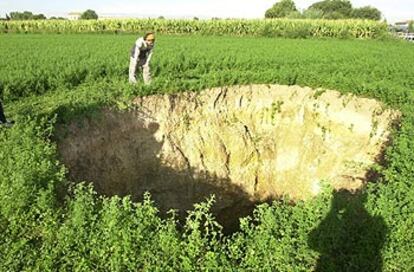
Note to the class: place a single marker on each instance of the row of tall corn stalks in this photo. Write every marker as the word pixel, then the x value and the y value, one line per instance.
pixel 291 28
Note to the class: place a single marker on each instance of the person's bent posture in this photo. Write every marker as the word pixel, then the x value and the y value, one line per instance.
pixel 141 54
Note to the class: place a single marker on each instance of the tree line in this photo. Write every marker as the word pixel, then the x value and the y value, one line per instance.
pixel 326 9
pixel 28 15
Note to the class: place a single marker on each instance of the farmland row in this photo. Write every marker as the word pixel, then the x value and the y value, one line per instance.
pixel 289 28
pixel 34 65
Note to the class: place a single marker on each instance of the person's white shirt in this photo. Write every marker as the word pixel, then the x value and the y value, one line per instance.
pixel 141 54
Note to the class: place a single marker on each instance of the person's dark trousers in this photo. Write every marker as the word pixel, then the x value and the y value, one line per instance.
pixel 2 117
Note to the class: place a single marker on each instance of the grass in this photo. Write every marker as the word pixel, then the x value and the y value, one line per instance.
pixel 47 224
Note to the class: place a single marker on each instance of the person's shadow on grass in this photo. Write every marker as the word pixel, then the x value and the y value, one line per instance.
pixel 349 238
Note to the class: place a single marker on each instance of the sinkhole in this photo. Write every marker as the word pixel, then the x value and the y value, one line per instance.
pixel 244 144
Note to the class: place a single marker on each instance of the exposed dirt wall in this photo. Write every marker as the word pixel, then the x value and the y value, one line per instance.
pixel 245 144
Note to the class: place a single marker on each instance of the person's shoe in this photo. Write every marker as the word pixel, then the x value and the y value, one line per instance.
pixel 7 124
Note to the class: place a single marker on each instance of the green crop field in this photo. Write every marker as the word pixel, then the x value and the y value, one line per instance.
pixel 293 28
pixel 48 223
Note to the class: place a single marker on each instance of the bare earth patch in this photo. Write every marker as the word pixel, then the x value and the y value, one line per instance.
pixel 245 144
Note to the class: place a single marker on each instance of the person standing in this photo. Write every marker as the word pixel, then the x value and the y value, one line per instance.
pixel 141 54
pixel 3 120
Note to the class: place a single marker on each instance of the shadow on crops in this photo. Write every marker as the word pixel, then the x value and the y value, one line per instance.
pixel 119 154
pixel 349 238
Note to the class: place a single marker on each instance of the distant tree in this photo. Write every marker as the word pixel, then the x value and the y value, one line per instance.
pixel 7 17
pixel 312 14
pixel 161 17
pixel 335 15
pixel 367 12
pixel 333 9
pixel 57 18
pixel 25 15
pixel 281 9
pixel 411 27
pixel 39 17
pixel 340 9
pixel 89 15
pixel 196 19
pixel 294 15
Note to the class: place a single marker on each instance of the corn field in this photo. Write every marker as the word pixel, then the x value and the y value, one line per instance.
pixel 291 28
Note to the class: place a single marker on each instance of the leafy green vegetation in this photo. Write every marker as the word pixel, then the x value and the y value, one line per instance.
pixel 89 15
pixel 341 9
pixel 26 15
pixel 326 9
pixel 281 9
pixel 290 28
pixel 49 224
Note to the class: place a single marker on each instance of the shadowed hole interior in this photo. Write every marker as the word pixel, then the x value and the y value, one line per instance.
pixel 244 144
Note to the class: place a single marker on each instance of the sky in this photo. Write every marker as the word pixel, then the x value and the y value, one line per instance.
pixel 392 10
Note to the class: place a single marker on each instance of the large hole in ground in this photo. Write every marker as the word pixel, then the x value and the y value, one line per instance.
pixel 245 145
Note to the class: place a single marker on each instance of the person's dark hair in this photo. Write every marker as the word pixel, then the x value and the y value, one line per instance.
pixel 147 34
